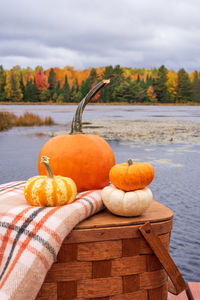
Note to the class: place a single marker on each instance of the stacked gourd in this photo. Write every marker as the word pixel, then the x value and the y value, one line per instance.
pixel 128 194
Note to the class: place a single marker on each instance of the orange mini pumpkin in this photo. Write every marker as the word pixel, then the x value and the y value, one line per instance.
pixel 131 176
pixel 86 158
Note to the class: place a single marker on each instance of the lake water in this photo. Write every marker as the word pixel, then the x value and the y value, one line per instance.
pixel 63 114
pixel 177 172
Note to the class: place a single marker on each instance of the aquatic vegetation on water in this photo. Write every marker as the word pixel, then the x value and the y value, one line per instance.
pixel 167 162
pixel 8 120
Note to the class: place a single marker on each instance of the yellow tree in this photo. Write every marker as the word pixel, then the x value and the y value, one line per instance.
pixel 99 72
pixel 172 80
pixel 82 75
pixel 27 75
pixel 12 88
pixel 126 73
pixel 60 75
pixel 193 75
pixel 151 94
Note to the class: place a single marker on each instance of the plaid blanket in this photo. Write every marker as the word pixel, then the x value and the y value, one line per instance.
pixel 30 237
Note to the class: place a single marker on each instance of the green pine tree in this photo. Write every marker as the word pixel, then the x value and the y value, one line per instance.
pixel 184 87
pixel 116 78
pixel 138 78
pixel 52 80
pixel 141 92
pixel 160 86
pixel 93 75
pixel 196 87
pixel 57 89
pixel 66 92
pixel 148 81
pixel 31 93
pixel 22 87
pixel 127 91
pixel 76 95
pixel 85 87
pixel 45 95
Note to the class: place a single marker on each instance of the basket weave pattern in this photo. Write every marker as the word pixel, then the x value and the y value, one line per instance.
pixel 115 269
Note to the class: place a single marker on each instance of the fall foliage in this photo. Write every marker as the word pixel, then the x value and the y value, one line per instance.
pixel 41 80
pixel 131 85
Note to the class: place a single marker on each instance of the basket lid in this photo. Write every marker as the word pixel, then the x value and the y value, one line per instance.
pixel 157 212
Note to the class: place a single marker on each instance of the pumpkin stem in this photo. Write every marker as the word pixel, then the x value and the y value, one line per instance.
pixel 130 162
pixel 76 126
pixel 45 162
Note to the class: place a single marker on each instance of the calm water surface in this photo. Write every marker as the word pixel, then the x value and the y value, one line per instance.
pixel 63 114
pixel 177 172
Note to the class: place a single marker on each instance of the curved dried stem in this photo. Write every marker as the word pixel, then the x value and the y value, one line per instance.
pixel 45 161
pixel 76 126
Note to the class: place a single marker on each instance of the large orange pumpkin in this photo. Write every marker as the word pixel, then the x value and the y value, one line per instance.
pixel 86 158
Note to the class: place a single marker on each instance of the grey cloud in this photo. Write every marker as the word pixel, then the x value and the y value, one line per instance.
pixel 86 33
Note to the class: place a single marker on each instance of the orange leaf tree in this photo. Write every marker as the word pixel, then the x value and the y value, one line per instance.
pixel 41 80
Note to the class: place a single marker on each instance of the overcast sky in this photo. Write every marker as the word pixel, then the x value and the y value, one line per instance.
pixel 92 33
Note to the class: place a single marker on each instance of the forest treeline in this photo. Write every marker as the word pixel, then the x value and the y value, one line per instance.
pixel 130 85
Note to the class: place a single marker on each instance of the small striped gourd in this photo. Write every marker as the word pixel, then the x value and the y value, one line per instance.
pixel 49 190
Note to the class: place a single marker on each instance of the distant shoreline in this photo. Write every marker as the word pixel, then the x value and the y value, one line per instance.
pixel 102 103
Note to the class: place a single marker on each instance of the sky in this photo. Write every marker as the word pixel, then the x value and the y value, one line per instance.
pixel 97 33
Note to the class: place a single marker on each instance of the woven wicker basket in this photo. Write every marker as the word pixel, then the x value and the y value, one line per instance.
pixel 106 257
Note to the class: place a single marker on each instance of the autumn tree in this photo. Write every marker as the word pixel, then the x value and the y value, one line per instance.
pixel 12 87
pixel 41 80
pixel 172 81
pixel 151 95
pixel 38 69
pixel 184 87
pixel 2 82
pixel 160 85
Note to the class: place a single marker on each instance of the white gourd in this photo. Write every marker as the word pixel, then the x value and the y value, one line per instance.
pixel 128 204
